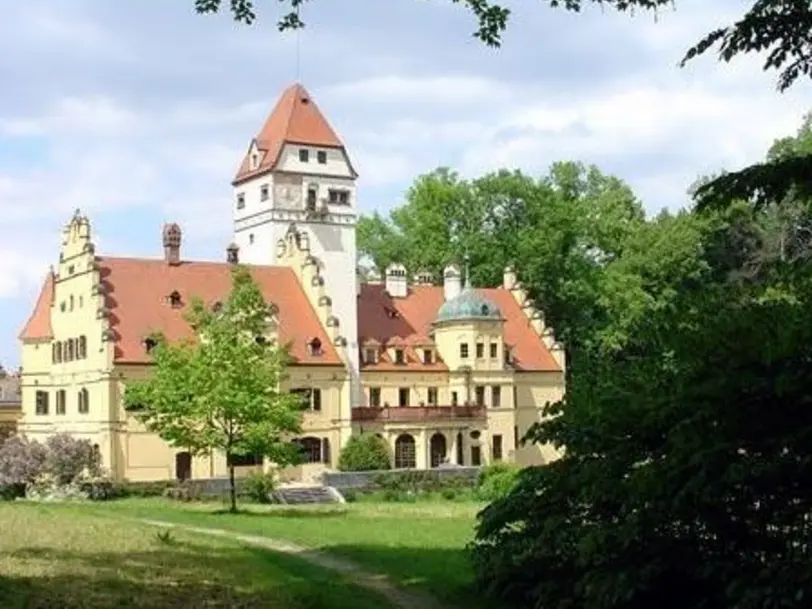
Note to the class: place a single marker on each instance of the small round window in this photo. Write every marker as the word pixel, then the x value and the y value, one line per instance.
pixel 475 435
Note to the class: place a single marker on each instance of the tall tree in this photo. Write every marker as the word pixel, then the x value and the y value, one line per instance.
pixel 687 435
pixel 222 391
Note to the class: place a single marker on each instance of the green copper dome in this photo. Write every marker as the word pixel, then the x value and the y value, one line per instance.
pixel 468 306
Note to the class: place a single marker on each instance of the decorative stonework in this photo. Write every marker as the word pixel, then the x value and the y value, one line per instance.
pixel 294 251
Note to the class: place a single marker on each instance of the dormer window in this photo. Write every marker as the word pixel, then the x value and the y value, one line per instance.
pixel 370 355
pixel 391 313
pixel 304 155
pixel 428 356
pixel 254 160
pixel 217 307
pixel 150 343
pixel 314 347
pixel 321 157
pixel 400 356
pixel 175 300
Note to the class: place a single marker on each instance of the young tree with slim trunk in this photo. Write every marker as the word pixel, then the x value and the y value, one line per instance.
pixel 221 391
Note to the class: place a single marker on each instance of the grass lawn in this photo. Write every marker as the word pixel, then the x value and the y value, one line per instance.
pixel 417 544
pixel 65 557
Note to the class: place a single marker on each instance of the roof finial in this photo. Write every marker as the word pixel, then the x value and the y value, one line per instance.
pixel 466 258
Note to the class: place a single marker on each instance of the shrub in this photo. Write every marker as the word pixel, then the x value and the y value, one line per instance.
pixel 47 487
pixel 496 481
pixel 21 462
pixel 67 458
pixel 144 489
pixel 350 496
pixel 258 487
pixel 363 453
pixel 184 492
pixel 101 489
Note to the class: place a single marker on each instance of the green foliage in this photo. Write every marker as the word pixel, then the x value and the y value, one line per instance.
pixel 222 391
pixel 686 429
pixel 496 481
pixel 259 487
pixel 364 452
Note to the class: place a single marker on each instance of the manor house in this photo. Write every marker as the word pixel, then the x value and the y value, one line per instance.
pixel 445 372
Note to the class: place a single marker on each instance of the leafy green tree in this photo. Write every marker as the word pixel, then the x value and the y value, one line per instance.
pixel 221 391
pixel 686 435
pixel 365 452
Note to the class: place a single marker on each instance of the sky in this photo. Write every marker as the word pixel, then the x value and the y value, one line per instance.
pixel 138 113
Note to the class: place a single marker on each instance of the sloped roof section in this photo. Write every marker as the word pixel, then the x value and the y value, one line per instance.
pixel 138 298
pixel 383 319
pixel 38 326
pixel 296 119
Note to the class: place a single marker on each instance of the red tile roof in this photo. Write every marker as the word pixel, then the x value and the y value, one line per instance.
pixel 137 296
pixel 296 119
pixel 38 326
pixel 413 317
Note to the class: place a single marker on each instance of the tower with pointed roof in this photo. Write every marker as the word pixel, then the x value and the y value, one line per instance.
pixel 296 172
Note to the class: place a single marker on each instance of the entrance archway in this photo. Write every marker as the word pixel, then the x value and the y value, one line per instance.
pixel 183 466
pixel 438 449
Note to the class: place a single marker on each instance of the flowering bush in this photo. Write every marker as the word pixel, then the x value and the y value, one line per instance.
pixel 67 458
pixel 47 487
pixel 21 461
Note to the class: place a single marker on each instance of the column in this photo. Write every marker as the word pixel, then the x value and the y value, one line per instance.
pixel 453 444
pixel 422 450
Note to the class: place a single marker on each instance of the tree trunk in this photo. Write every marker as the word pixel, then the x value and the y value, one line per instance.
pixel 232 489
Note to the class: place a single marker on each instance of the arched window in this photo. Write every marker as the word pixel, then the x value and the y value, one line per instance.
pixel 83 400
pixel 69 357
pixel 311 449
pixel 56 353
pixel 405 453
pixel 82 348
pixel 438 449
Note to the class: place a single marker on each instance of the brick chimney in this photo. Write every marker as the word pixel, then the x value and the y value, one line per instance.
pixel 172 238
pixel 233 253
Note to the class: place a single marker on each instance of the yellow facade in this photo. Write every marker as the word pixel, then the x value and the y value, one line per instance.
pixel 72 383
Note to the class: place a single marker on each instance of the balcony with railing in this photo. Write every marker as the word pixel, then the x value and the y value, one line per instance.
pixel 407 414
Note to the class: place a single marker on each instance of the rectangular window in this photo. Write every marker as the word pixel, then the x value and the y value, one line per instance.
pixel 496 448
pixel 480 350
pixel 516 436
pixel 304 155
pixel 41 402
pixel 496 396
pixel 339 197
pixel 370 356
pixel 83 401
pixel 480 395
pixel 375 396
pixel 432 396
pixel 428 357
pixel 311 398
pixel 263 192
pixel 400 358
pixel 403 396
pixel 311 199
pixel 476 455
pixel 455 400
pixel 244 460
pixel 321 157
pixel 494 350
pixel 61 398
pixel 463 350
pixel 240 201
pixel 515 397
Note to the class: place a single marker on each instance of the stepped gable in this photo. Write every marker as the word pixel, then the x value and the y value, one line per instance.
pixel 408 321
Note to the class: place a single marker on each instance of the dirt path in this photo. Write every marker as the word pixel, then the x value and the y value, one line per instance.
pixel 377 582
